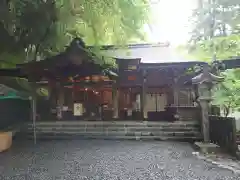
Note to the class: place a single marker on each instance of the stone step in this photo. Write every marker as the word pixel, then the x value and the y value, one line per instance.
pixel 138 129
pixel 183 124
pixel 175 133
pixel 114 130
pixel 114 124
pixel 119 137
pixel 238 138
pixel 116 127
pixel 151 129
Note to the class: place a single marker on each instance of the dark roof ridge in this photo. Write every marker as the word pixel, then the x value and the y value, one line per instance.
pixel 132 46
pixel 173 63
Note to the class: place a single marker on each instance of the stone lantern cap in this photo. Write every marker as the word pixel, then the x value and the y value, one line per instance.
pixel 206 77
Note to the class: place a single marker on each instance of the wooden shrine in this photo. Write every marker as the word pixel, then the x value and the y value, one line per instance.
pixel 81 89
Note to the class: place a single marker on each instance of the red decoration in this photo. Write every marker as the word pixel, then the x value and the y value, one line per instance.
pixel 131 78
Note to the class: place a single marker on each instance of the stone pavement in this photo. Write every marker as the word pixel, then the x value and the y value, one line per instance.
pixel 222 160
pixel 107 159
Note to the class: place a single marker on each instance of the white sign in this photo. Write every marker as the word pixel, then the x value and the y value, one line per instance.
pixel 78 109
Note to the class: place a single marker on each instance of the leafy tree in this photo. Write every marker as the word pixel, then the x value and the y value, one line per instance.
pixel 215 30
pixel 214 18
pixel 24 27
pixel 44 27
pixel 224 48
pixel 227 93
pixel 216 33
pixel 35 29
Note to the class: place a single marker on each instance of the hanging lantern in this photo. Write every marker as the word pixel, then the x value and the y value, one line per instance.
pixel 95 78
pixel 105 78
pixel 43 92
pixel 87 79
pixel 102 78
pixel 81 79
pixel 96 92
pixel 71 79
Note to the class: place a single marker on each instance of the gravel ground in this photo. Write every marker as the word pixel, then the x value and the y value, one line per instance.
pixel 106 159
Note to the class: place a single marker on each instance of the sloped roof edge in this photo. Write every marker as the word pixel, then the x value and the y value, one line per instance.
pixel 131 46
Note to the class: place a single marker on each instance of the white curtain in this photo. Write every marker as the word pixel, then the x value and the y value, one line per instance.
pixel 156 102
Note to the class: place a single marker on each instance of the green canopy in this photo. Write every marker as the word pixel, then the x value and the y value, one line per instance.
pixel 21 87
pixel 12 95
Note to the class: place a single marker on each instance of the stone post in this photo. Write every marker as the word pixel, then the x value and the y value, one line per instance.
pixel 205 81
pixel 204 99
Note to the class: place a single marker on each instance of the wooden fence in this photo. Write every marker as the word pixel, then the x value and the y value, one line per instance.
pixel 223 133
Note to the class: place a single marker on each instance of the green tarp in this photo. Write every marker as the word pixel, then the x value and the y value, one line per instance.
pixel 12 95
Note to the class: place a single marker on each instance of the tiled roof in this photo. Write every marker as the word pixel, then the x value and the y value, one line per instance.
pixel 148 54
pixel 132 46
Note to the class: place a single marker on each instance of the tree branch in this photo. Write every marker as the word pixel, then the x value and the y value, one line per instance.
pixel 42 39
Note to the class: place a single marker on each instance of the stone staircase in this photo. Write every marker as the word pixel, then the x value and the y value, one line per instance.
pixel 132 130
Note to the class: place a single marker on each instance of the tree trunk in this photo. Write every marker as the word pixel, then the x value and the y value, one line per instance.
pixel 227 110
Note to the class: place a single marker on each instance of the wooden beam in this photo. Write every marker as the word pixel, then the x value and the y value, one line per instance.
pixel 231 63
pixel 15 72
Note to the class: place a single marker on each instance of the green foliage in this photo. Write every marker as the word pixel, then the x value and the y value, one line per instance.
pixel 215 30
pixel 227 93
pixel 214 18
pixel 103 23
pixel 44 28
pixel 24 26
pixel 224 47
pixel 40 28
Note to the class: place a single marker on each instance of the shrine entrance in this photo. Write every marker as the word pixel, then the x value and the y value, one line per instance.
pixel 85 98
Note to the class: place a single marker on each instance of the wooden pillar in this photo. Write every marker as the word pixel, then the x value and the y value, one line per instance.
pixel 49 88
pixel 115 97
pixel 156 102
pixel 143 97
pixel 33 102
pixel 129 110
pixel 176 98
pixel 73 93
pixel 176 92
pixel 34 115
pixel 60 101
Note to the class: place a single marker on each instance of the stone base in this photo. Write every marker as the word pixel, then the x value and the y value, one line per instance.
pixel 180 131
pixel 5 141
pixel 238 155
pixel 207 147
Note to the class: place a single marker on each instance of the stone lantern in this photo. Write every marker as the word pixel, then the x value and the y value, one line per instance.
pixel 205 82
